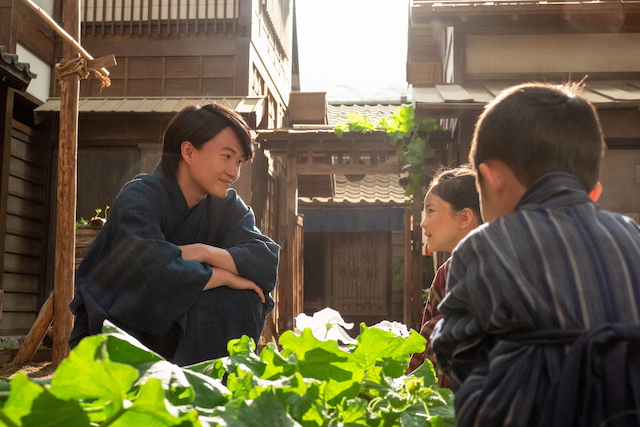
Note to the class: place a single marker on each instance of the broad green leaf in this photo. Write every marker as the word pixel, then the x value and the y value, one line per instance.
pixel 217 368
pixel 427 373
pixel 89 374
pixel 242 353
pixel 31 405
pixel 324 360
pixel 209 392
pixel 276 364
pixel 263 411
pixel 124 348
pixel 149 410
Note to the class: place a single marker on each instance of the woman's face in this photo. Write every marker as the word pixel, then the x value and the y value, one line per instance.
pixel 441 224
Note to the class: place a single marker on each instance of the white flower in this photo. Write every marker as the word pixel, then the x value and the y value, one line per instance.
pixel 399 329
pixel 325 325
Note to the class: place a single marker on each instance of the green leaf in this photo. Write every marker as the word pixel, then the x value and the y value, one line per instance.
pixel 276 364
pixel 263 411
pixel 31 405
pixel 149 410
pixel 89 374
pixel 324 360
pixel 124 348
pixel 242 353
pixel 426 372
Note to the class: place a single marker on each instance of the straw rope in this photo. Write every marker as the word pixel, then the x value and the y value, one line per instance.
pixel 79 66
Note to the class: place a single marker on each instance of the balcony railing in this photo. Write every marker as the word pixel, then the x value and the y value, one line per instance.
pixel 105 17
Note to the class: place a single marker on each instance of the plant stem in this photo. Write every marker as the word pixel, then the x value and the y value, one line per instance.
pixel 113 418
pixel 8 421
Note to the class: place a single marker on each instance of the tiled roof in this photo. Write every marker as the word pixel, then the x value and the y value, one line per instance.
pixel 371 189
pixel 249 105
pixel 12 59
pixel 155 104
pixel 509 6
pixel 454 97
pixel 13 73
pixel 337 113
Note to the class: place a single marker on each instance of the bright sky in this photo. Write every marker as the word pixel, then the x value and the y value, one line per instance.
pixel 355 50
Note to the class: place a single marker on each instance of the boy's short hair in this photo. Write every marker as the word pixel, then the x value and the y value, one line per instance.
pixel 199 124
pixel 538 128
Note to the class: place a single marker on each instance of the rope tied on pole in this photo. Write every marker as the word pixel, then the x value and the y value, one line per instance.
pixel 79 66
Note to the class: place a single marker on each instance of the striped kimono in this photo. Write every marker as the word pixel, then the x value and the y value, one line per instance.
pixel 521 289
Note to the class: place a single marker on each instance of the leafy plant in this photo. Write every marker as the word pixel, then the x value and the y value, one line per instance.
pixel 83 222
pixel 409 135
pixel 113 380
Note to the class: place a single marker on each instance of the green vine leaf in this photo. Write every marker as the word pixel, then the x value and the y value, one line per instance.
pixel 409 135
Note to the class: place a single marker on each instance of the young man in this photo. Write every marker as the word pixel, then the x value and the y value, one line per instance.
pixel 180 264
pixel 549 272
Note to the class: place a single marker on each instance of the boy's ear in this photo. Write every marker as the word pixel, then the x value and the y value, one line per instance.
pixel 493 174
pixel 596 192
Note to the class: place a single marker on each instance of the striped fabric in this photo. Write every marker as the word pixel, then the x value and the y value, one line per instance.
pixel 558 262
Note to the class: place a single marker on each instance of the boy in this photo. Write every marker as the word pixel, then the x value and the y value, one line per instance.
pixel 180 264
pixel 547 269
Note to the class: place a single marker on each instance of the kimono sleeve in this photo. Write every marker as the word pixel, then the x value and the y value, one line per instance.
pixel 255 255
pixel 134 274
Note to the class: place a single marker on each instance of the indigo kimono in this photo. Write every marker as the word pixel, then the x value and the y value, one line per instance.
pixel 522 290
pixel 135 276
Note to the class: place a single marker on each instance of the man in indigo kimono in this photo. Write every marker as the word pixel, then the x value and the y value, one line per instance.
pixel 180 264
pixel 541 317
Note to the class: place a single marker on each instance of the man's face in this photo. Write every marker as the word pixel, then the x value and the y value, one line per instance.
pixel 216 165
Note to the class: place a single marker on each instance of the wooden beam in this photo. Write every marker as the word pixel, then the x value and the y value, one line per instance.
pixel 6 112
pixel 68 36
pixel 344 169
pixel 30 344
pixel 67 187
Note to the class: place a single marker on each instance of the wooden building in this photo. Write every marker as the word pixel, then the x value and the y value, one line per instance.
pixel 170 54
pixel 462 54
pixel 357 223
pixel 26 192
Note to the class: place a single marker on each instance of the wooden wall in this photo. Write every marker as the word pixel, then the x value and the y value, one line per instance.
pixel 27 187
pixel 20 25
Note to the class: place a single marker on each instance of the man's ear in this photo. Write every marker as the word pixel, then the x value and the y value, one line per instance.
pixel 596 192
pixel 186 149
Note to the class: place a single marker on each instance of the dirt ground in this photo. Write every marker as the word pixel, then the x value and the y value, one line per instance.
pixel 35 370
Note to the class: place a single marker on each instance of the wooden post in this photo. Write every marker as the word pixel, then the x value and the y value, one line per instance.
pixel 66 208
pixel 417 281
pixel 286 292
pixel 30 345
pixel 413 280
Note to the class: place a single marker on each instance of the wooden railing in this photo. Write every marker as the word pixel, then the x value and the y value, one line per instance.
pixel 112 17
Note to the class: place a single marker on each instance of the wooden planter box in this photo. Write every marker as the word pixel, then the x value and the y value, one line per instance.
pixel 84 238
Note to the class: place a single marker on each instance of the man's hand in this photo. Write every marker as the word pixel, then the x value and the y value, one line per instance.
pixel 222 277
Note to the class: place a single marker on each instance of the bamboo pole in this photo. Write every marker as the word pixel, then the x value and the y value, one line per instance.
pixel 64 34
pixel 66 209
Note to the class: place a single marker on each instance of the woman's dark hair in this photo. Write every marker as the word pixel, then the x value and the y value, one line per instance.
pixel 538 128
pixel 199 124
pixel 457 186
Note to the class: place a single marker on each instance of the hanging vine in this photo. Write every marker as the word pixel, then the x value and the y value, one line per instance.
pixel 410 137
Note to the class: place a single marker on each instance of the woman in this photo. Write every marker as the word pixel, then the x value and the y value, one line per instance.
pixel 452 210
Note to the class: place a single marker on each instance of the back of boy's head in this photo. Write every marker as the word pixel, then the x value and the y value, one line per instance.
pixel 538 128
